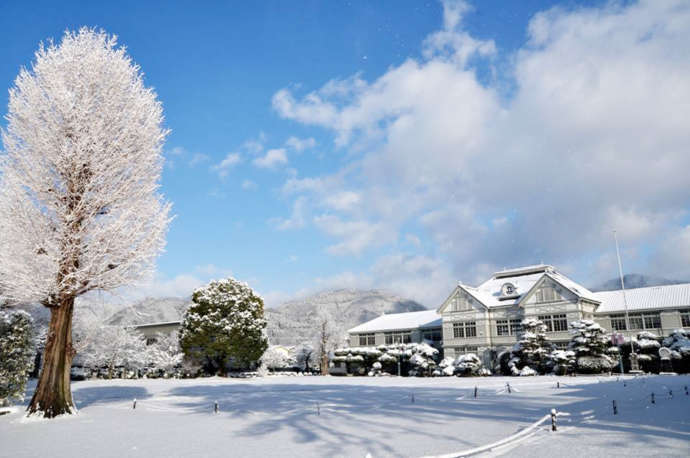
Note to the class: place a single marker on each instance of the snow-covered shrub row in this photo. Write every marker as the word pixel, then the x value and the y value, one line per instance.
pixel 121 352
pixel 279 358
pixel 17 353
pixel 415 359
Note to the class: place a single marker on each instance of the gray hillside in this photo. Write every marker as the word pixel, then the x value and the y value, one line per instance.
pixel 298 320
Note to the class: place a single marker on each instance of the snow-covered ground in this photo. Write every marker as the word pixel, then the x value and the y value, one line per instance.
pixel 353 417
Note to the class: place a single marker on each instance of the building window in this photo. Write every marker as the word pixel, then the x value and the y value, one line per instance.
pixel 646 320
pixel 506 328
pixel 367 339
pixel 464 329
pixel 515 327
pixel 560 322
pixel 433 335
pixel 554 323
pixel 618 322
pixel 546 319
pixel 561 345
pixel 397 337
pixel 465 350
pixel 685 318
pixel 546 294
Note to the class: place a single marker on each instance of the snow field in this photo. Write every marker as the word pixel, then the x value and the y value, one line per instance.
pixel 356 416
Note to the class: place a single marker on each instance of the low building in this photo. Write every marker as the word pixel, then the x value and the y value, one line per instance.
pixel 394 328
pixel 151 331
pixel 486 319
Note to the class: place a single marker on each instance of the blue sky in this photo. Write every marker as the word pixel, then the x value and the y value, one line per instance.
pixel 381 144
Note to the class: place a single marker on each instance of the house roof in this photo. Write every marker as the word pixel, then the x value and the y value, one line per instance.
pixel 400 321
pixel 649 298
pixel 150 325
pixel 523 280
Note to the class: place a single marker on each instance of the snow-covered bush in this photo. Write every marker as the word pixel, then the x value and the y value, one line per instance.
pixel 531 350
pixel 648 345
pixel 224 324
pixel 679 345
pixel 17 353
pixel 561 362
pixel 277 357
pixel 165 356
pixel 119 349
pixel 306 357
pixel 590 343
pixel 414 358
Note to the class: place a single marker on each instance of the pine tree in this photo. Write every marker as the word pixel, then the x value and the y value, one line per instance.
pixel 532 349
pixel 224 324
pixel 590 343
pixel 17 353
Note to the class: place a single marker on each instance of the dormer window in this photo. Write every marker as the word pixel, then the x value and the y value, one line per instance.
pixel 508 289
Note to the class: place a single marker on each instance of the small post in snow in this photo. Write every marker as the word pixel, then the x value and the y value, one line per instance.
pixel 670 394
pixel 615 408
pixel 318 409
pixel 134 404
pixel 215 407
pixel 558 384
pixel 508 387
pixel 653 401
pixel 686 390
pixel 475 391
pixel 553 420
pixel 412 398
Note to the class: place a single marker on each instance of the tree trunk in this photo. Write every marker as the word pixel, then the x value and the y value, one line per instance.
pixel 53 395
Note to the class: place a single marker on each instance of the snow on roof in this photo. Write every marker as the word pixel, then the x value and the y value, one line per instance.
pixel 649 298
pixel 164 323
pixel 523 279
pixel 489 292
pixel 400 321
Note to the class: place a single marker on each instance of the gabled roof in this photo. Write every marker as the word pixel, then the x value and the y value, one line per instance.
pixel 523 280
pixel 400 321
pixel 649 298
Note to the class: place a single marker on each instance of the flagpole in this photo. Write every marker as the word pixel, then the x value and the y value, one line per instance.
pixel 633 356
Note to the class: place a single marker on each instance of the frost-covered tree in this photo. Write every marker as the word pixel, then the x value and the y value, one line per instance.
pixel 224 323
pixel 590 343
pixel 79 202
pixel 117 346
pixel 532 349
pixel 17 352
pixel 165 354
pixel 305 356
pixel 277 357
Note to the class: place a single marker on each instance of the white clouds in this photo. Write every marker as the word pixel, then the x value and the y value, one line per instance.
pixel 198 158
pixel 297 219
pixel 300 144
pixel 271 159
pixel 355 235
pixel 224 166
pixel 593 136
pixel 248 185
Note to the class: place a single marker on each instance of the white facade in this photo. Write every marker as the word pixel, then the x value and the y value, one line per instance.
pixel 486 318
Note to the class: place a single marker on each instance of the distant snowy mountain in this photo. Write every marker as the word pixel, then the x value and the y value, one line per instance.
pixel 635 281
pixel 298 320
